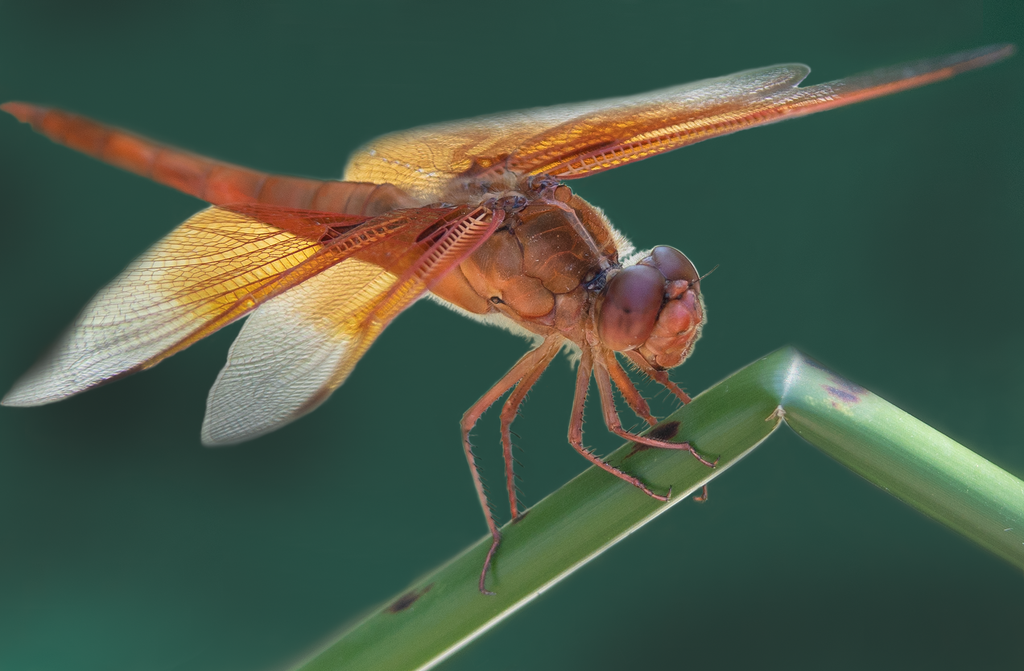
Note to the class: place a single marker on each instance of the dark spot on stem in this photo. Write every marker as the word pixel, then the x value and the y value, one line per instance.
pixel 840 394
pixel 408 599
pixel 665 431
pixel 846 385
pixel 637 448
pixel 839 382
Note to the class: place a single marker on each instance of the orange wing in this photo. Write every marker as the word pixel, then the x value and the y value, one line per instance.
pixel 222 263
pixel 326 282
pixel 299 347
pixel 571 141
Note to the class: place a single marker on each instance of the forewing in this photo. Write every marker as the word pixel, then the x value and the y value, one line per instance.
pixel 216 267
pixel 571 141
pixel 300 346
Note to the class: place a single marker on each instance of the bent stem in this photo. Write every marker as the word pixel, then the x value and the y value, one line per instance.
pixel 444 611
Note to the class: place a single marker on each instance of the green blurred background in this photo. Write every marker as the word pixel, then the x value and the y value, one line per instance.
pixel 884 239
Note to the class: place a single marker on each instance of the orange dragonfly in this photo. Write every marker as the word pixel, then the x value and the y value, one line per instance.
pixel 473 213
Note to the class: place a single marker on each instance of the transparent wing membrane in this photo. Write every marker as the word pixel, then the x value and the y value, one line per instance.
pixel 213 269
pixel 572 141
pixel 301 346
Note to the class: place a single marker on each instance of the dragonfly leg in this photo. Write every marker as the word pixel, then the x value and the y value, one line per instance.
pixel 540 358
pixel 659 376
pixel 630 393
pixel 576 428
pixel 523 368
pixel 611 415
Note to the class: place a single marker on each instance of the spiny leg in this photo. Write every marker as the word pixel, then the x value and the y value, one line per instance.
pixel 611 415
pixel 626 387
pixel 576 428
pixel 544 354
pixel 629 392
pixel 659 376
pixel 469 420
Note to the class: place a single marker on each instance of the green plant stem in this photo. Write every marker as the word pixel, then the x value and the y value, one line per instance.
pixel 908 459
pixel 444 611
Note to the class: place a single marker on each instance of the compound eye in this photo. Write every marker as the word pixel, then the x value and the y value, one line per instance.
pixel 632 302
pixel 673 264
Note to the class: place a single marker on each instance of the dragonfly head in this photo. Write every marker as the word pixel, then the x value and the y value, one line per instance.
pixel 654 307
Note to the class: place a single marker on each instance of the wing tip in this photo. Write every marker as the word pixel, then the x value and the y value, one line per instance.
pixel 992 53
pixel 211 438
pixel 1003 49
pixel 213 443
pixel 39 385
pixel 11 400
pixel 218 431
pixel 26 396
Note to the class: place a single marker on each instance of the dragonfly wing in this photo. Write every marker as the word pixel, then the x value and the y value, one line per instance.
pixel 571 141
pixel 293 352
pixel 296 349
pixel 213 269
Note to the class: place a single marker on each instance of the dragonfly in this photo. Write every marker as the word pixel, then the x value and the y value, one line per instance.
pixel 475 214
